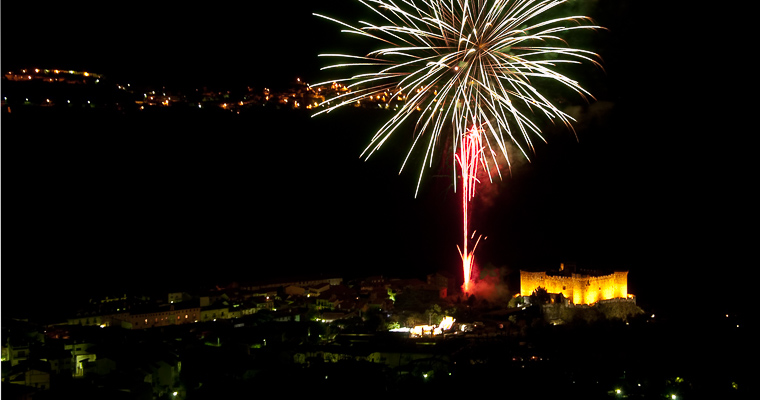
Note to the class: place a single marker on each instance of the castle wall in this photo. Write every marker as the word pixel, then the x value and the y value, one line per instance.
pixel 530 281
pixel 579 288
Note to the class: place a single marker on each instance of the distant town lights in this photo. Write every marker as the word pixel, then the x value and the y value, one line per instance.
pixel 303 97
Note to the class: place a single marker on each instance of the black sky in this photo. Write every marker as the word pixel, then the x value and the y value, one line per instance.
pixel 169 41
pixel 655 183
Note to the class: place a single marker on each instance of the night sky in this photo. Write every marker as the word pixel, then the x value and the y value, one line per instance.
pixel 658 183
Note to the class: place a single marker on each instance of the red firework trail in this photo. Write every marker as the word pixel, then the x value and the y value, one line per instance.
pixel 469 158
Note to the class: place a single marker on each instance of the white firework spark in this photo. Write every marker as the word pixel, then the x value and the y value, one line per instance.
pixel 467 63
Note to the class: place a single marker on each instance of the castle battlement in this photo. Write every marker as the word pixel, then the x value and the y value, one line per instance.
pixel 582 287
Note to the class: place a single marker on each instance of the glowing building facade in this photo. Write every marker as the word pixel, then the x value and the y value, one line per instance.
pixel 585 287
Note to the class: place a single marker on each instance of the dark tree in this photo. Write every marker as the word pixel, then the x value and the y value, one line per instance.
pixel 540 296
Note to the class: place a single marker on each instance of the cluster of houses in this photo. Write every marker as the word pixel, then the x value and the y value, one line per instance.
pixel 40 358
pixel 328 296
pixel 37 356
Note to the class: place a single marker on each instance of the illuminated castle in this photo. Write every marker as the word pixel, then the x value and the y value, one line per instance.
pixel 585 287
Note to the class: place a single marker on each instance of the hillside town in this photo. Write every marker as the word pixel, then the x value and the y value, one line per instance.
pixel 135 343
pixel 70 89
pixel 393 335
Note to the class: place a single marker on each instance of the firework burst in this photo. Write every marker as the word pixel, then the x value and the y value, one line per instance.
pixel 469 66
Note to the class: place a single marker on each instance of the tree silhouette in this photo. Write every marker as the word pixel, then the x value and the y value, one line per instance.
pixel 540 296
